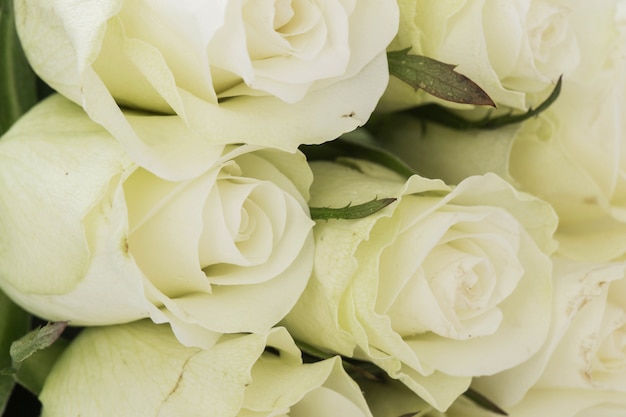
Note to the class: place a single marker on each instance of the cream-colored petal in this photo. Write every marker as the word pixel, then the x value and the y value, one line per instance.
pixel 143 370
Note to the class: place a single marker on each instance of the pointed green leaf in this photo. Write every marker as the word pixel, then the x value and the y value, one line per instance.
pixel 17 80
pixel 14 323
pixel 439 114
pixel 350 212
pixel 436 78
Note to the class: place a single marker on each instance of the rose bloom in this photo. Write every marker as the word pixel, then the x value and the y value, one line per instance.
pixel 431 285
pixel 581 369
pixel 572 155
pixel 90 237
pixel 581 144
pixel 140 369
pixel 270 73
pixel 512 49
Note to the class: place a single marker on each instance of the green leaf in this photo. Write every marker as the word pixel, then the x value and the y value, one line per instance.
pixel 36 340
pixel 438 114
pixel 350 212
pixel 484 402
pixel 341 147
pixel 436 78
pixel 17 80
pixel 14 323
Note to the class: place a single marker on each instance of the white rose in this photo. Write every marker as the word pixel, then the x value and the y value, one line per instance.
pixel 591 353
pixel 512 49
pixel 90 237
pixel 580 146
pixel 140 369
pixel 572 155
pixel 270 73
pixel 584 349
pixel 430 286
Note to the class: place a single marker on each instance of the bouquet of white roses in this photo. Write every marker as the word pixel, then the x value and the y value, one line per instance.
pixel 250 208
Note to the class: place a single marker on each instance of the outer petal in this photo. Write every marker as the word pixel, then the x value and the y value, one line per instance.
pixel 321 388
pixel 141 370
pixel 68 195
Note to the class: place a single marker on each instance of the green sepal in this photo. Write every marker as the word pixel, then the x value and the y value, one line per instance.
pixel 34 370
pixel 14 323
pixel 36 340
pixel 341 147
pixel 18 91
pixel 484 402
pixel 33 355
pixel 350 212
pixel 436 78
pixel 443 116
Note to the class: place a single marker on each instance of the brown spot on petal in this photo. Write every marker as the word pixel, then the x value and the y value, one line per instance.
pixel 587 352
pixel 591 200
pixel 124 246
pixel 587 293
pixel 351 114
